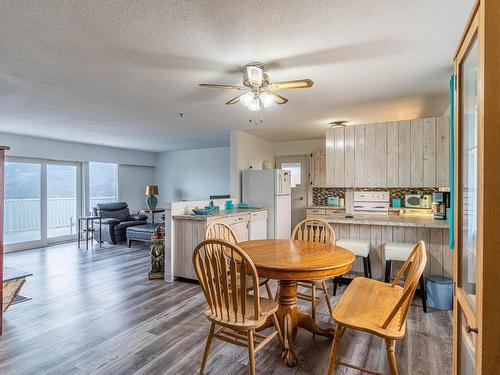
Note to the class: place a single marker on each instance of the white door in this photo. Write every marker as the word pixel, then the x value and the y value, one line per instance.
pixel 297 166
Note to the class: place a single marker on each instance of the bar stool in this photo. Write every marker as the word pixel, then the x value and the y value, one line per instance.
pixel 400 251
pixel 360 248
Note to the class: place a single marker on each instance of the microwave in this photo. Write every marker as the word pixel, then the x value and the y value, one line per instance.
pixel 418 201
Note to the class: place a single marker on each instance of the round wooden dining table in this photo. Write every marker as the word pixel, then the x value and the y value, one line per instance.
pixel 289 261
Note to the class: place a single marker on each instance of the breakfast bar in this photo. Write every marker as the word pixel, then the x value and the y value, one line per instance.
pixel 403 228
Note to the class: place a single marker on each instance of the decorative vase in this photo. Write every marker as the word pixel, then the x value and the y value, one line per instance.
pixel 152 201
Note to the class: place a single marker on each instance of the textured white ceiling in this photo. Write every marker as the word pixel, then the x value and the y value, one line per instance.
pixel 119 72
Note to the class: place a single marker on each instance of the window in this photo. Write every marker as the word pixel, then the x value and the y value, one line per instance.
pixel 22 202
pixel 102 183
pixel 294 169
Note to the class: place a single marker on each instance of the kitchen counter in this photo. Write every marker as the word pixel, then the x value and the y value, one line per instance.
pixel 417 221
pixel 325 206
pixel 218 215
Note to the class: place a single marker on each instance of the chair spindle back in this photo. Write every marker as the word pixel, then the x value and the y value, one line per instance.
pixel 315 230
pixel 222 269
pixel 416 262
pixel 221 231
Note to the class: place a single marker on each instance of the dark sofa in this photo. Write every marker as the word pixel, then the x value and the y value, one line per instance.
pixel 116 218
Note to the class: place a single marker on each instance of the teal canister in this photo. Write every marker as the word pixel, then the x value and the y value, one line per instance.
pixel 396 202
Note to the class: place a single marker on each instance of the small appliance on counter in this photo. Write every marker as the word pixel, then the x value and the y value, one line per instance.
pixel 332 201
pixel 440 204
pixel 418 201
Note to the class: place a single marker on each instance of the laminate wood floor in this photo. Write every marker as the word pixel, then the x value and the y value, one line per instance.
pixel 95 312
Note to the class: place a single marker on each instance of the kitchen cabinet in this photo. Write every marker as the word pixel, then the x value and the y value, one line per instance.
pixel 317 168
pixel 240 225
pixel 394 154
pixel 322 213
pixel 476 336
pixel 257 229
pixel 189 231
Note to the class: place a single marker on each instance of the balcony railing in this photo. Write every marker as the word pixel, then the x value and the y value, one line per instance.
pixel 23 215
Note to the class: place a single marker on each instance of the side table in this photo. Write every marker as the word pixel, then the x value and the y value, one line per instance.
pixel 88 228
pixel 152 212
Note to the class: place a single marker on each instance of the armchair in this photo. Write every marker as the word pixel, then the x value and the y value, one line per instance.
pixel 116 218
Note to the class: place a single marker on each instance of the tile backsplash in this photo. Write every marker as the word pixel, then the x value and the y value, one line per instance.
pixel 321 193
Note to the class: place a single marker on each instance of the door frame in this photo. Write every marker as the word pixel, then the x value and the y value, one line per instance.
pixel 462 304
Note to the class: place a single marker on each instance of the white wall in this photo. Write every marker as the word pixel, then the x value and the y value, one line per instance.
pixel 132 181
pixel 299 147
pixel 32 147
pixel 192 174
pixel 247 151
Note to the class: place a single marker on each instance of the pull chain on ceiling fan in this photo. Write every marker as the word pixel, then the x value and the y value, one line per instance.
pixel 258 90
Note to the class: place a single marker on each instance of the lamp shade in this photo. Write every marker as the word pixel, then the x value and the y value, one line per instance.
pixel 151 190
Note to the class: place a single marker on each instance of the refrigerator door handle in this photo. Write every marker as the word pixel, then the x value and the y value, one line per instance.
pixel 278 188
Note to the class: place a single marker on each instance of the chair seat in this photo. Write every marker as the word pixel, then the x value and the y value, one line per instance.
pixel 399 251
pixel 360 248
pixel 365 305
pixel 267 308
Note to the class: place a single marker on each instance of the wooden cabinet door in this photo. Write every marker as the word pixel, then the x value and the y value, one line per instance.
pixel 241 230
pixel 468 181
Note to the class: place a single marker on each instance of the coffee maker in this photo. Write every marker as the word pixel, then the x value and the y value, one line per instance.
pixel 440 204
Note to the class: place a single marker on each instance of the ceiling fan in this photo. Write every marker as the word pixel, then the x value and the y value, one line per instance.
pixel 257 88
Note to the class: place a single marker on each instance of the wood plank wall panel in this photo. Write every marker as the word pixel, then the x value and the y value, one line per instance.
pixel 443 151
pixel 381 155
pixel 404 152
pixel 392 154
pixel 359 155
pixel 370 157
pixel 416 154
pixel 349 156
pixel 440 257
pixel 339 163
pixel 330 157
pixel 376 249
pixel 429 151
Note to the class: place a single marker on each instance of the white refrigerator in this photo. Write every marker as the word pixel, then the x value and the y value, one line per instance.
pixel 270 189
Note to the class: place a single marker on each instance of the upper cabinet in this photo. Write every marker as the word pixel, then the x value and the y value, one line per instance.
pixel 317 168
pixel 395 154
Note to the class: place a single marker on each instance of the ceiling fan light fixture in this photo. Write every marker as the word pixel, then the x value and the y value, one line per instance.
pixel 255 75
pixel 267 99
pixel 254 105
pixel 247 98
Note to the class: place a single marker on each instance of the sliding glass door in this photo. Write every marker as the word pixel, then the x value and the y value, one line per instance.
pixel 22 214
pixel 42 202
pixel 63 200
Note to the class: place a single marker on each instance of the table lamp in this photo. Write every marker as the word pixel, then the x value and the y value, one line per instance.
pixel 152 201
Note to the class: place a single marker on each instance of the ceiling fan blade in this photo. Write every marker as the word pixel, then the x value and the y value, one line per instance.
pixel 286 85
pixel 235 100
pixel 278 99
pixel 217 86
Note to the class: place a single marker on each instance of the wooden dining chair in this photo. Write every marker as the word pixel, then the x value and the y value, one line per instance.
pixel 378 308
pixel 316 230
pixel 222 269
pixel 222 231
